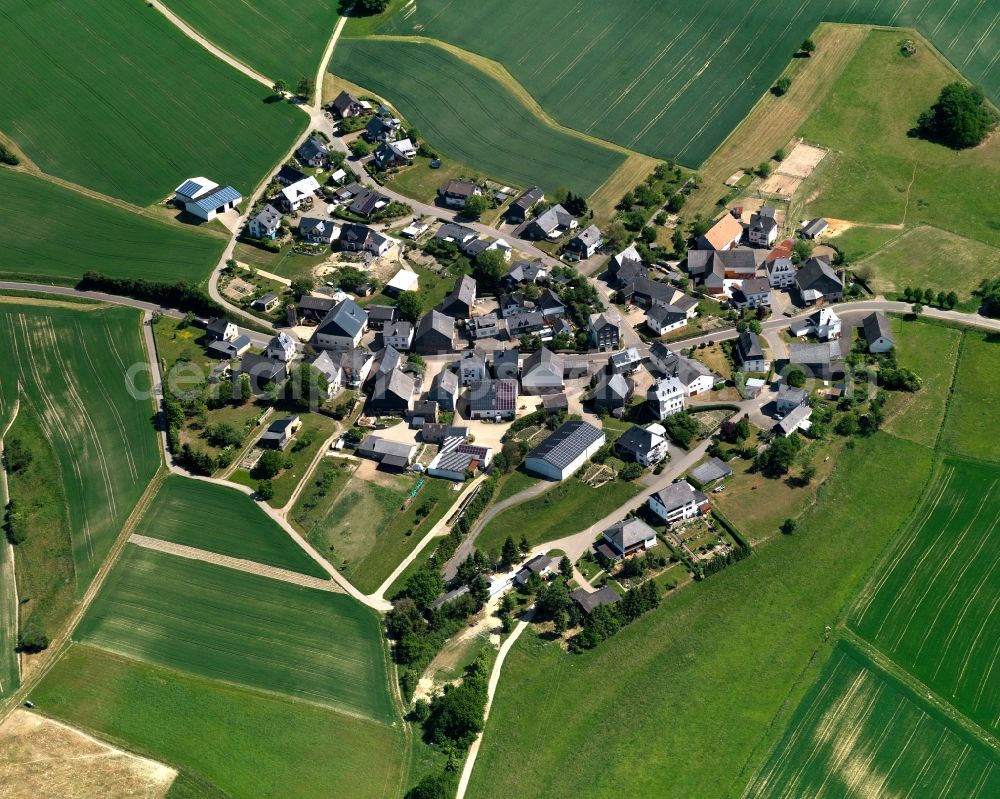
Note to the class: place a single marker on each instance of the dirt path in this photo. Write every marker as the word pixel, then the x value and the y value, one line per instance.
pixel 237 564
pixel 491 689
pixel 218 52
pixel 8 577
pixel 320 454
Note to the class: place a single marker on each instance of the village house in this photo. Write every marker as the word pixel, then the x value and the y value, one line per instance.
pixel 318 231
pixel 815 227
pixel 877 332
pixel 458 234
pixel 642 445
pixel 749 353
pixel 380 315
pixel 780 272
pixel 612 392
pixel 506 364
pixel 790 398
pixel 435 334
pixel 723 235
pixel 471 367
pixel 518 210
pixel 626 362
pixel 328 365
pixel 296 195
pixel 361 238
pixel 493 399
pixel 382 127
pixel 280 432
pixel 627 260
pixel 666 397
pixel 754 292
pixel 395 455
pixel 219 329
pixel 549 224
pixel 818 283
pixel 514 303
pixel 604 334
pixel 366 202
pixel 484 326
pixel 456 193
pixel 625 538
pixel 763 228
pixel 263 372
pixel 677 502
pixel 394 389
pixel 282 348
pixel 565 450
pixel 288 175
pixel 477 246
pixel 549 303
pixel 693 375
pixel 404 280
pixel 314 152
pixel 342 328
pixel 204 199
pixel 525 272
pixel 265 303
pixel 542 372
pixel 589 601
pixel 797 419
pixel 711 269
pixel 398 335
pixel 525 323
pixel 444 389
pixel 391 154
pixel 585 243
pixel 662 319
pixel 824 324
pixel 460 303
pixel 356 364
pixel 822 360
pixel 346 105
pixel 265 223
pixel 539 566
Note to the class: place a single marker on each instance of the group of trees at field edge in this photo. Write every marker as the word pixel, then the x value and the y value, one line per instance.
pixel 960 118
pixel 362 8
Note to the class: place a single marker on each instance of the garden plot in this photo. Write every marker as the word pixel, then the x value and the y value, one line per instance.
pixel 700 539
pixel 790 173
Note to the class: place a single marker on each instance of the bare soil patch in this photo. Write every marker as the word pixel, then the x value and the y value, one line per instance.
pixel 784 186
pixel 801 161
pixel 40 757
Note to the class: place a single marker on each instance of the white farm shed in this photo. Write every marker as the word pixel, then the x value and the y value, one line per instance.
pixel 565 451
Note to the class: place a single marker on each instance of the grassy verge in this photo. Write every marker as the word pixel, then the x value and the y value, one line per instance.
pixel 727 658
pixel 974 400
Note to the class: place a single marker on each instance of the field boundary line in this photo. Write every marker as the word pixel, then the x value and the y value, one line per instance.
pixel 4 499
pixel 500 73
pixel 202 40
pixel 236 564
pixel 951 393
pixel 921 692
pixel 64 638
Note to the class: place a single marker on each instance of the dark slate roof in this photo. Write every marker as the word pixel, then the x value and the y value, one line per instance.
pixel 543 357
pixel 529 198
pixel 365 202
pixel 629 532
pixel 588 600
pixel 346 319
pixel 435 321
pixel 815 226
pixel 677 495
pixel 749 346
pixel 493 395
pixel 444 382
pixel 464 293
pixel 217 325
pixel 313 147
pixel 711 470
pixel 289 174
pixel 877 325
pixel 567 443
pixel 394 383
pixel 822 352
pixel 665 314
pixel 458 188
pixel 268 216
pixel 353 233
pixel 458 233
pixel 343 101
pixel 817 275
pixel 381 313
pixel 262 368
pixel 637 440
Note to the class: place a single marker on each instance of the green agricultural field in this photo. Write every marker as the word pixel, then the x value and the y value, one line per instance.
pixel 219 519
pixel 94 236
pixel 930 349
pixel 472 118
pixel 703 685
pixel 357 523
pixel 930 605
pixel 860 733
pixel 918 257
pixel 566 508
pixel 881 175
pixel 672 78
pixel 94 94
pixel 214 622
pixel 280 38
pixel 860 242
pixel 972 413
pixel 72 367
pixel 245 743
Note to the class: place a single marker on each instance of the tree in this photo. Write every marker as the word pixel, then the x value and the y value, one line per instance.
pixel 917 309
pixel 508 554
pixel 676 202
pixel 523 546
pixel 408 306
pixel 796 377
pixel 302 285
pixel 304 88
pixel 307 386
pixel 575 204
pixel 265 490
pixel 941 300
pixel 565 567
pixel 959 119
pixel 224 435
pixel 788 526
pixel 279 87
pixel 424 586
pixel 479 589
pixel 553 599
pixel 360 148
pixel 778 458
pixel 32 640
pixel 802 250
pixel 764 169
pixel 781 87
pixel 808 47
pixel 808 473
pixel 928 297
pixel 270 463
pixel 648 234
pixel 489 269
pixel 17 455
pixel 476 206
pixel 615 235
pixel 432 786
pixel 951 300
pixel 457 714
pixel 630 471
pixel 847 425
pixel 679 242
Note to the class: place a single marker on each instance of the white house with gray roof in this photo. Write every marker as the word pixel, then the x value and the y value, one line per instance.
pixel 265 223
pixel 342 328
pixel 565 450
pixel 878 332
pixel 627 537
pixel 677 502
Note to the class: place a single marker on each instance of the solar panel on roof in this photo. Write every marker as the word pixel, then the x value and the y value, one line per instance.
pixel 189 188
pixel 220 196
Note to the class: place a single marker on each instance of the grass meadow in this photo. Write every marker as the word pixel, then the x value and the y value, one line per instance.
pixel 229 741
pixel 976 396
pixel 356 522
pixel 928 258
pixel 566 508
pixel 93 236
pixel 219 519
pixel 860 733
pixel 471 117
pixel 702 687
pixel 317 646
pixel 94 94
pixel 930 605
pixel 281 39
pixel 930 349
pixel 881 175
pixel 672 79
pixel 71 365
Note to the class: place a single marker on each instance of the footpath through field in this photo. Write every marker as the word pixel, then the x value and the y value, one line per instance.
pixel 238 564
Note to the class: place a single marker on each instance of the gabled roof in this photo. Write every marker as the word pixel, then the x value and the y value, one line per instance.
pixel 289 174
pixel 638 440
pixel 723 232
pixel 567 443
pixel 789 393
pixel 588 600
pixel 330 367
pixel 665 314
pixel 598 321
pixel 464 293
pixel 311 226
pixel 195 187
pixel 543 358
pixel 268 216
pixel 628 533
pixel 611 388
pixel 554 217
pixel 436 322
pixel 218 325
pixel 526 271
pixel 749 346
pixel 529 198
pixel 711 470
pixel 590 237
pixel 313 147
pixel 459 188
pixel 393 383
pixel 877 326
pixel 346 319
pixel 677 495
pixel 365 202
pixel 218 196
pixel 444 381
pixel 823 352
pixel 815 226
pixel 457 233
pixel 488 396
pixel 344 101
pixel 816 274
